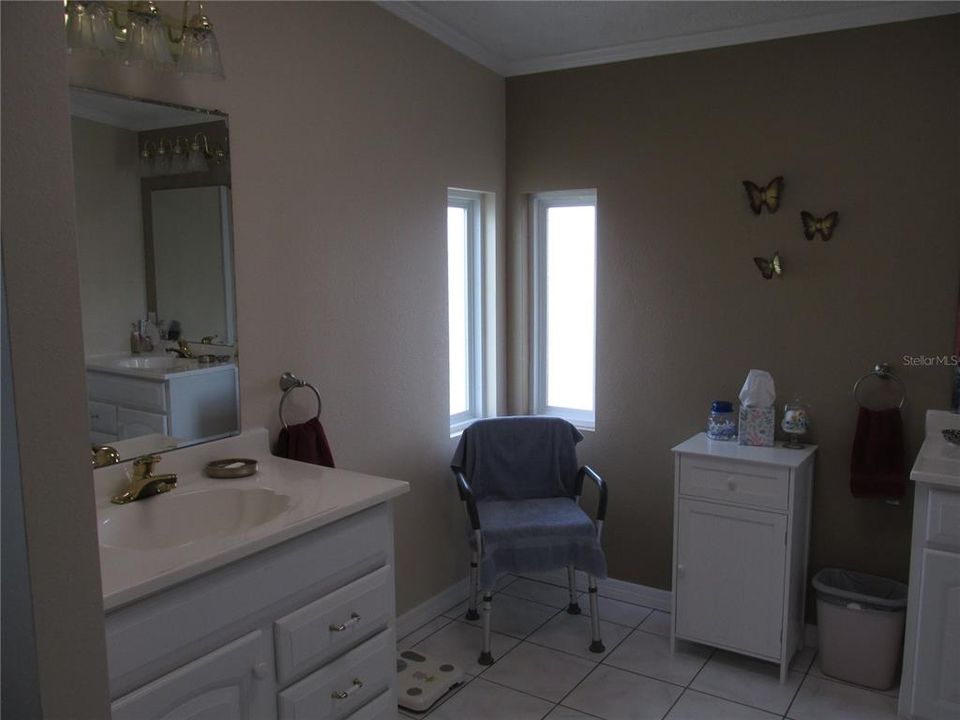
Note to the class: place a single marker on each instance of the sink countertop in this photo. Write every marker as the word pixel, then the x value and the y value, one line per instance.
pixel 938 462
pixel 173 367
pixel 318 496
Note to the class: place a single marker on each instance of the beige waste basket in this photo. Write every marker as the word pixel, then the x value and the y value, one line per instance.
pixel 860 626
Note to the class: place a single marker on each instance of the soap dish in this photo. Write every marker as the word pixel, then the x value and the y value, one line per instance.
pixel 231 468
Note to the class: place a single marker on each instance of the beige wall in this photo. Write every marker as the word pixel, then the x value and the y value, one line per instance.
pixel 863 122
pixel 347 125
pixel 43 294
pixel 109 234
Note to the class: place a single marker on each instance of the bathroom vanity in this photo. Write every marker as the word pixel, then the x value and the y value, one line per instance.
pixel 264 597
pixel 930 683
pixel 134 395
pixel 741 528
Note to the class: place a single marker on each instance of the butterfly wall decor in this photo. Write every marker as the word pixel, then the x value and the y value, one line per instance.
pixel 771 267
pixel 812 225
pixel 769 195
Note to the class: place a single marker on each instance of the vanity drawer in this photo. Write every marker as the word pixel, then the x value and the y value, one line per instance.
pixel 943 521
pixel 103 417
pixel 335 622
pixel 735 482
pixel 344 686
pixel 127 391
pixel 134 423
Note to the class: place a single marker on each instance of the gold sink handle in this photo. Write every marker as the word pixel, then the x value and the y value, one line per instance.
pixel 144 483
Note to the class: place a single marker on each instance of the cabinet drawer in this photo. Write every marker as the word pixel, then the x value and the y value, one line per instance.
pixel 740 483
pixel 335 622
pixel 127 391
pixel 103 417
pixel 134 423
pixel 943 522
pixel 345 685
pixel 384 707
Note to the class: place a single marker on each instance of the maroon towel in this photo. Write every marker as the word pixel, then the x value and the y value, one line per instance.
pixel 305 442
pixel 877 463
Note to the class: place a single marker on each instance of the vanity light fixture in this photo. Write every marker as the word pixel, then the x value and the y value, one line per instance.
pixel 172 156
pixel 136 33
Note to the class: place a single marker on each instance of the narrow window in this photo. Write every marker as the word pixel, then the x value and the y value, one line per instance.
pixel 564 307
pixel 465 306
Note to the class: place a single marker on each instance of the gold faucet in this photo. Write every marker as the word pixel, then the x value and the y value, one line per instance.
pixel 182 349
pixel 144 483
pixel 104 455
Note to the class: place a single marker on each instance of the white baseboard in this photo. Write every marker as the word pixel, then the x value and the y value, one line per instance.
pixel 432 607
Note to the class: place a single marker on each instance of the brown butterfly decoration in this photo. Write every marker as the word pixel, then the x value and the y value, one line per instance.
pixel 769 195
pixel 812 226
pixel 771 267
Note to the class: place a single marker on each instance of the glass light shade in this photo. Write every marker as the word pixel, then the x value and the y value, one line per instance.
pixel 200 52
pixel 179 157
pixel 197 159
pixel 147 41
pixel 146 161
pixel 89 27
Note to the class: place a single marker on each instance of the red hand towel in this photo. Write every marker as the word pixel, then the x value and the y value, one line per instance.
pixel 305 442
pixel 877 467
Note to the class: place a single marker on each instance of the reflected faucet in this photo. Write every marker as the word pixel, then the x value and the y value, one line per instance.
pixel 144 483
pixel 103 455
pixel 182 349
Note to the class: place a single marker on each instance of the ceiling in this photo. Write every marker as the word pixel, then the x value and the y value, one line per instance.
pixel 523 37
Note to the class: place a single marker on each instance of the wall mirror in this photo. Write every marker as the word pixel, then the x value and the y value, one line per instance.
pixel 155 239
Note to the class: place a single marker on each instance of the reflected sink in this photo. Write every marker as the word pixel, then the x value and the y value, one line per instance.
pixel 155 362
pixel 175 519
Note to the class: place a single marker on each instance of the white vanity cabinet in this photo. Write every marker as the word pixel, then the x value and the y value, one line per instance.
pixel 187 405
pixel 300 630
pixel 930 683
pixel 741 526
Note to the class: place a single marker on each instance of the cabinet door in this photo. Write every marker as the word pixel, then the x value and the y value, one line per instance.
pixel 136 423
pixel 234 682
pixel 730 570
pixel 937 673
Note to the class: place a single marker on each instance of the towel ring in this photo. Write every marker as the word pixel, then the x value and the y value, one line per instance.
pixel 882 371
pixel 290 382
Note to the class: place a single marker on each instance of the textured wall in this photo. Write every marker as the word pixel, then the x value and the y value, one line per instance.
pixel 346 128
pixel 863 122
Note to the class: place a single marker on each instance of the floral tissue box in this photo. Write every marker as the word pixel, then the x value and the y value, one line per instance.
pixel 756 426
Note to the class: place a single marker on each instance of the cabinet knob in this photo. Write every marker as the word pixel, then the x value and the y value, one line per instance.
pixel 344 694
pixel 260 670
pixel 731 484
pixel 681 570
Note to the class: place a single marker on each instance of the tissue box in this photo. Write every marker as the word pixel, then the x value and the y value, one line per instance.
pixel 756 426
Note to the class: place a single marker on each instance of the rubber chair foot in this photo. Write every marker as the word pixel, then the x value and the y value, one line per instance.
pixel 597 646
pixel 473 615
pixel 485 659
pixel 574 608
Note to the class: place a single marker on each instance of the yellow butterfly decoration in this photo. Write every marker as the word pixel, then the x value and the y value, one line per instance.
pixel 771 267
pixel 760 196
pixel 812 225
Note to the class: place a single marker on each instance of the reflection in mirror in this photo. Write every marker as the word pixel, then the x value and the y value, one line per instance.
pixel 156 272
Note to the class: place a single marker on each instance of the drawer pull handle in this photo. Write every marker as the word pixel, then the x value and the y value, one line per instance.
pixel 732 485
pixel 344 694
pixel 340 627
pixel 260 670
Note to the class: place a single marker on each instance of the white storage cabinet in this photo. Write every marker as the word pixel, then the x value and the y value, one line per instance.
pixel 741 527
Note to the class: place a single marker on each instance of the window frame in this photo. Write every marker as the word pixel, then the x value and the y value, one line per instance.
pixel 473 203
pixel 540 203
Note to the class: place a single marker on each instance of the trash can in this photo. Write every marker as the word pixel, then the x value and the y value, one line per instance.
pixel 860 626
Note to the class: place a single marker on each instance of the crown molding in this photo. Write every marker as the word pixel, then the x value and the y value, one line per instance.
pixel 842 20
pixel 445 34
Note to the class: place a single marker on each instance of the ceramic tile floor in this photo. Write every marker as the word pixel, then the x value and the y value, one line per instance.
pixel 544 671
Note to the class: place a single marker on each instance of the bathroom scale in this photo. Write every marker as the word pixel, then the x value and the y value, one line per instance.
pixel 421 680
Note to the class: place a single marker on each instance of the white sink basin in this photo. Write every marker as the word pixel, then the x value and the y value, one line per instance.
pixel 156 362
pixel 179 518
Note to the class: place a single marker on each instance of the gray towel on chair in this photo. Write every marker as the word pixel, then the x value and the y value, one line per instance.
pixel 518 458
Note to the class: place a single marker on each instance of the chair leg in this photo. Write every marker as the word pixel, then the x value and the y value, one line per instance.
pixel 596 646
pixel 485 657
pixel 472 613
pixel 574 607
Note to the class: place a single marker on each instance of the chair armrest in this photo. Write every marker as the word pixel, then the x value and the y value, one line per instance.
pixel 466 494
pixel 601 486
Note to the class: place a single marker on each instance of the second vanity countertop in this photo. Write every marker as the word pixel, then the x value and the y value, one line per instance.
pixel 155 366
pixel 303 497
